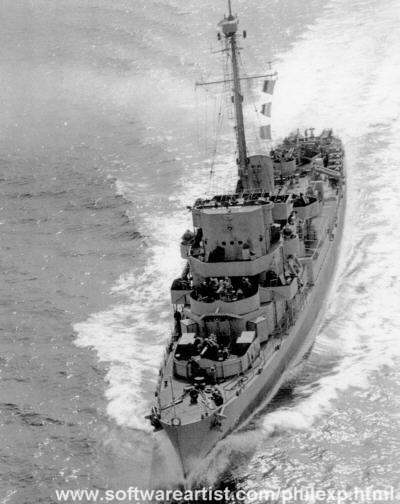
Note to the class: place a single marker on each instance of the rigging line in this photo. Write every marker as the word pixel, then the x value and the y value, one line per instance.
pixel 244 68
pixel 250 97
pixel 257 114
pixel 217 136
pixel 217 132
pixel 251 101
pixel 217 128
pixel 220 121
pixel 245 72
pixel 205 125
pixel 197 119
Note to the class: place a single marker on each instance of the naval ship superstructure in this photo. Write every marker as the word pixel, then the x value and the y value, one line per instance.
pixel 259 263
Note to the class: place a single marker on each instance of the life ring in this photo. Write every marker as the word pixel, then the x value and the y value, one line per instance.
pixel 176 421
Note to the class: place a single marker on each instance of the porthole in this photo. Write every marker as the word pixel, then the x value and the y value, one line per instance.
pixel 224 243
pixel 232 243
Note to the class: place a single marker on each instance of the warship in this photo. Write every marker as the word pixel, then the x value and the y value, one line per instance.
pixel 259 265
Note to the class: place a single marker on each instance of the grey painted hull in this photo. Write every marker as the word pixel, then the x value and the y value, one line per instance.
pixel 194 441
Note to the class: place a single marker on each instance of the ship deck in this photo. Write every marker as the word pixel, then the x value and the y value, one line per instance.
pixel 174 398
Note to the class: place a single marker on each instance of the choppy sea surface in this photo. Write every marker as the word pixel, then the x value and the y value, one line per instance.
pixel 102 146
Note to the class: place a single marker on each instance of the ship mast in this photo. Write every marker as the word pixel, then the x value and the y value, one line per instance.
pixel 229 27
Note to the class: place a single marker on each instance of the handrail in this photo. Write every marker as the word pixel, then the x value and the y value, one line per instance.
pixel 239 267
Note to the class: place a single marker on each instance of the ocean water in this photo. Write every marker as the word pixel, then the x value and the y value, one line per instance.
pixel 103 143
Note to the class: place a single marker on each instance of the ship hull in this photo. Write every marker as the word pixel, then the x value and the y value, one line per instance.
pixel 193 441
